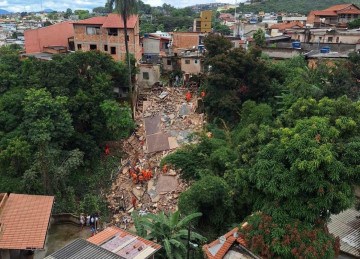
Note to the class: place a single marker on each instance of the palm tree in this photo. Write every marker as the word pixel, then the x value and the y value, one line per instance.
pixel 168 230
pixel 125 8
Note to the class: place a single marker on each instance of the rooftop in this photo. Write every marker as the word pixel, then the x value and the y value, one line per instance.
pixel 346 225
pixel 124 244
pixel 223 247
pixel 82 249
pixel 24 221
pixel 284 26
pixel 110 21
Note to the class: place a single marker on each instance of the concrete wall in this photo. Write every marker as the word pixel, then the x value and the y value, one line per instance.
pixel 151 46
pixel 194 67
pixel 153 72
pixel 281 53
pixel 53 35
pixel 306 47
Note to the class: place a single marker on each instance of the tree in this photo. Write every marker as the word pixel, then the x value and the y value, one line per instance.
pixel 118 119
pixel 211 196
pixel 307 171
pixel 68 13
pixel 83 14
pixel 125 8
pixel 355 24
pixel 292 239
pixel 168 230
pixel 100 10
pixel 223 29
pixel 236 76
pixel 259 38
pixel 216 44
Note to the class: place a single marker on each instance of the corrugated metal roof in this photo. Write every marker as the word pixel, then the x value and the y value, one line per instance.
pixel 346 225
pixel 82 249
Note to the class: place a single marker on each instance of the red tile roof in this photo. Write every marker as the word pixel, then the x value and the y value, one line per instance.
pixel 284 26
pixel 349 11
pixel 102 238
pixel 93 21
pixel 24 221
pixel 110 21
pixel 116 21
pixel 230 240
pixel 324 13
pixel 337 7
pixel 54 35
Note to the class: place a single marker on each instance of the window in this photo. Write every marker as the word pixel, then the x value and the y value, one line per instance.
pixel 320 38
pixel 337 39
pixel 90 30
pixel 342 15
pixel 113 50
pixel 356 16
pixel 187 61
pixel 79 46
pixel 196 61
pixel 330 39
pixel 105 47
pixel 168 62
pixel 113 32
pixel 146 75
pixel 349 16
pixel 93 47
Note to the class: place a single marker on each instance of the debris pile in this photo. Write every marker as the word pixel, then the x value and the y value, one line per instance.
pixel 165 121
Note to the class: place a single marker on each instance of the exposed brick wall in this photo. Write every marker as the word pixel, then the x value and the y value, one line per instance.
pixel 81 37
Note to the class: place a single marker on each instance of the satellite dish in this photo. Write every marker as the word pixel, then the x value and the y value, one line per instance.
pixel 222 239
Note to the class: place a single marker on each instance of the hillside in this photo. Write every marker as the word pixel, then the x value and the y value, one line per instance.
pixel 2 11
pixel 299 6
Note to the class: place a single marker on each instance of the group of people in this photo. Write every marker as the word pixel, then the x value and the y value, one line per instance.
pixel 91 220
pixel 140 176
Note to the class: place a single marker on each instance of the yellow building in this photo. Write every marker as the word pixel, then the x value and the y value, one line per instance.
pixel 203 24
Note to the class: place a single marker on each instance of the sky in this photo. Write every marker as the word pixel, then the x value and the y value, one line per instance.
pixel 62 5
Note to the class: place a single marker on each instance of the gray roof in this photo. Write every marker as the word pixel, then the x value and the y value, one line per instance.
pixel 82 249
pixel 346 225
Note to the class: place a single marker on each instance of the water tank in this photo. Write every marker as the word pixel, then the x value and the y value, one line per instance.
pixel 296 45
pixel 325 50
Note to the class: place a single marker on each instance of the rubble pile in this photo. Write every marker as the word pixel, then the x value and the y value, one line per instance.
pixel 165 121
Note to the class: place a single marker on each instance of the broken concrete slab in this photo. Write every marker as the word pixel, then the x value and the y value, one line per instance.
pixel 152 124
pixel 138 192
pixel 184 109
pixel 157 142
pixel 163 95
pixel 146 105
pixel 166 184
pixel 173 144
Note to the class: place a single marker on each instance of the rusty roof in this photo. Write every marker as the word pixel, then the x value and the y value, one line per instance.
pixel 110 21
pixel 284 26
pixel 24 221
pixel 217 249
pixel 124 243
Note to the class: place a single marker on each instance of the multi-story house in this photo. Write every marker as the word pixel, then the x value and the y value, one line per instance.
pixel 334 16
pixel 106 34
pixel 203 24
